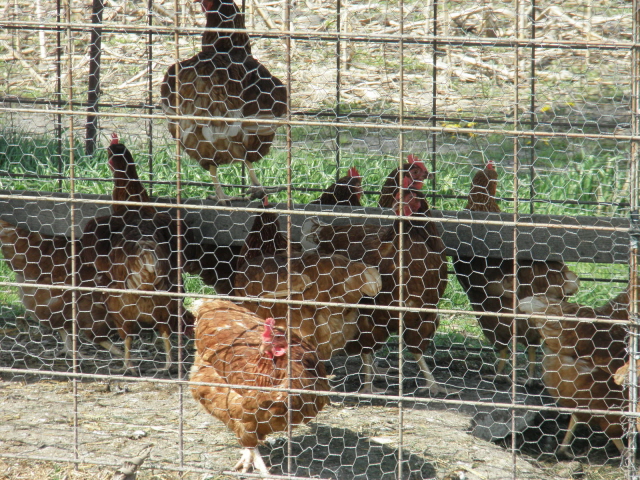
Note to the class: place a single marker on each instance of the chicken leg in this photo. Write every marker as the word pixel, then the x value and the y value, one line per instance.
pixel 434 387
pixel 67 344
pixel 370 371
pixel 167 351
pixel 251 458
pixel 502 363
pixel 220 195
pixel 257 190
pixel 565 446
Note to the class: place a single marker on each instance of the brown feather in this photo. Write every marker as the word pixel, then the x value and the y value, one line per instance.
pixel 346 191
pixel 46 259
pixel 313 277
pixel 228 351
pixel 482 197
pixel 135 248
pixel 223 80
pixel 389 191
pixel 264 240
pixel 582 358
pixel 424 274
pixel 488 281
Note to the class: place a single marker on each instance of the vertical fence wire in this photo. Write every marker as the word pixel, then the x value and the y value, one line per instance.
pixel 634 250
pixel 287 26
pixel 72 218
pixel 58 94
pixel 403 230
pixel 514 303
pixel 93 95
pixel 518 62
pixel 149 122
pixel 532 106
pixel 338 85
pixel 434 97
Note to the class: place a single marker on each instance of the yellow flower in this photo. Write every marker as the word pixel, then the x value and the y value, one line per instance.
pixel 545 109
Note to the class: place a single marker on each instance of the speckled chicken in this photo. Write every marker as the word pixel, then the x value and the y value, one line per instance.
pixel 488 281
pixel 224 80
pixel 581 359
pixel 135 249
pixel 236 347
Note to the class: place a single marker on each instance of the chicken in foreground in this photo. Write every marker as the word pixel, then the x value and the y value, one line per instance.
pixel 46 261
pixel 236 347
pixel 414 169
pixel 581 360
pixel 346 191
pixel 489 281
pixel 224 80
pixel 262 273
pixel 136 249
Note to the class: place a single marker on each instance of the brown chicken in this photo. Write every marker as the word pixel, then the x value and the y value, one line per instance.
pixel 415 169
pixel 346 191
pixel 236 347
pixel 424 274
pixel 224 80
pixel 488 281
pixel 581 359
pixel 45 261
pixel 313 278
pixel 135 248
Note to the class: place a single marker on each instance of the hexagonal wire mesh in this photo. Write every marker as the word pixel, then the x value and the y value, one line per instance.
pixel 514 126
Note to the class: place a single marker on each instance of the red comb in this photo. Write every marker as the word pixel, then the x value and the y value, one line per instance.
pixel 114 139
pixel 413 160
pixel 490 165
pixel 353 172
pixel 265 203
pixel 267 335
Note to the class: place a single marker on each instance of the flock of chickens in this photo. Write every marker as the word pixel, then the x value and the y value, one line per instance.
pixel 341 290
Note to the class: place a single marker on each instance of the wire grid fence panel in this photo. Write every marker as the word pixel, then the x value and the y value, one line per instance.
pixel 545 92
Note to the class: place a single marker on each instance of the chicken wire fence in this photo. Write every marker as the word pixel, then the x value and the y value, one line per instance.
pixel 456 137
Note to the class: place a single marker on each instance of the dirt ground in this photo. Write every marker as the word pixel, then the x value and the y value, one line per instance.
pixel 118 417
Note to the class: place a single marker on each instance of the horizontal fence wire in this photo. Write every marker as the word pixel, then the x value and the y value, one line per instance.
pixel 542 96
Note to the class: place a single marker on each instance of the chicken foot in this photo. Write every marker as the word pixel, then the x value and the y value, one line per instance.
pixel 432 385
pixel 220 195
pixel 502 363
pixel 67 344
pixel 167 352
pixel 128 366
pixel 565 447
pixel 370 371
pixel 251 458
pixel 257 190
